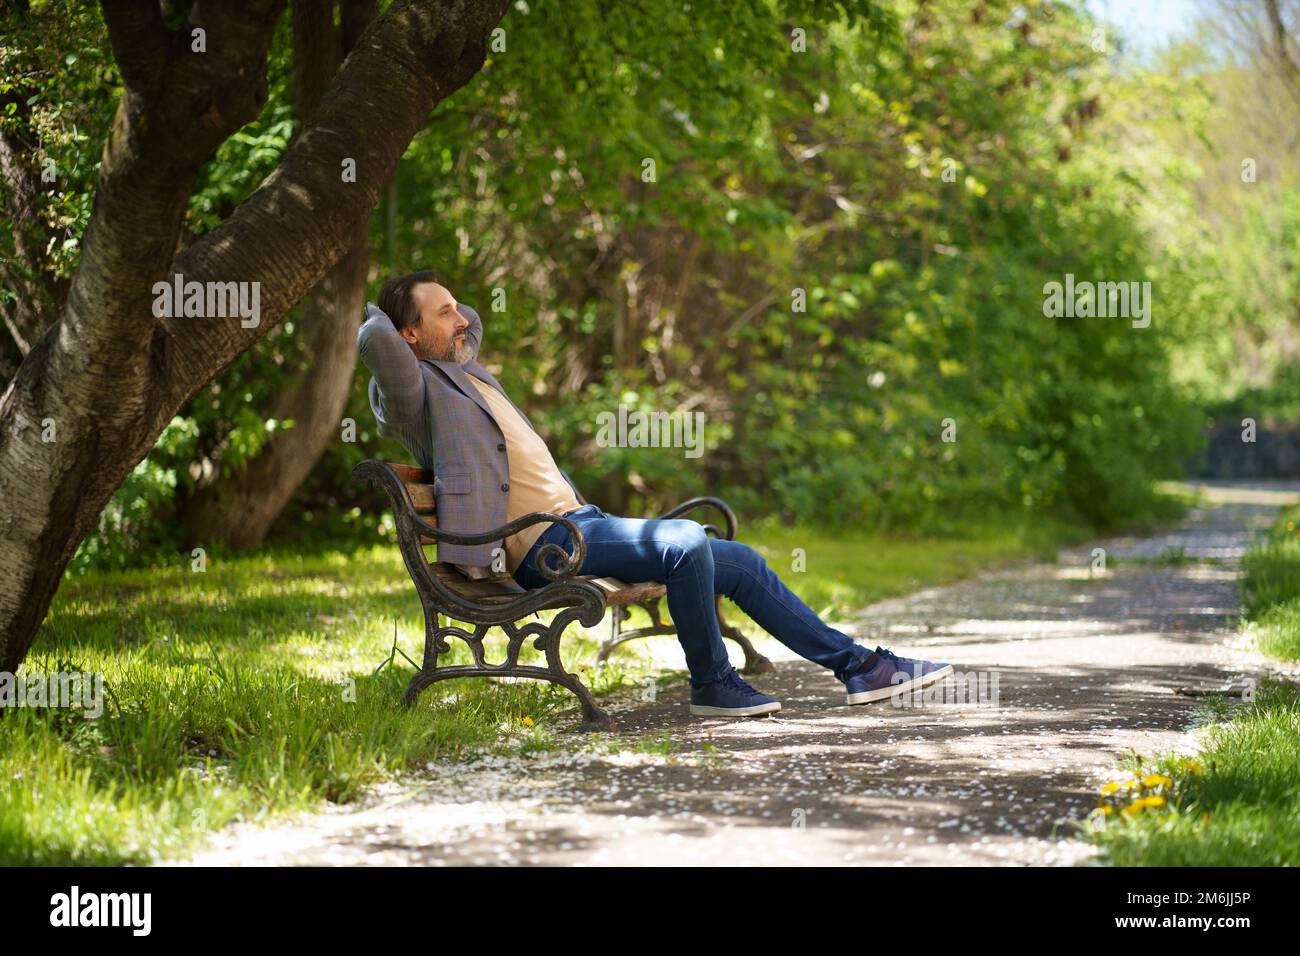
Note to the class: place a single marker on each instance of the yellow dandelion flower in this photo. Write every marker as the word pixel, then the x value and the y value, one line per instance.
pixel 1109 788
pixel 528 721
pixel 1156 780
pixel 1143 803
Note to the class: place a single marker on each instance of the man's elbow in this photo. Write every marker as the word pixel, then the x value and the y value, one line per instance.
pixel 363 340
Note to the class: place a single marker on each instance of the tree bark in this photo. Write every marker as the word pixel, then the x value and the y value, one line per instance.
pixel 239 506
pixel 108 374
pixel 1290 69
pixel 39 292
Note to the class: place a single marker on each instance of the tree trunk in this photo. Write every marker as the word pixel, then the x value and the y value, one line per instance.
pixel 239 507
pixel 108 375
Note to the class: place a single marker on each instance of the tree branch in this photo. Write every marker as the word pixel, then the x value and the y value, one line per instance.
pixel 1281 45
pixel 109 375
pixel 288 233
pixel 139 41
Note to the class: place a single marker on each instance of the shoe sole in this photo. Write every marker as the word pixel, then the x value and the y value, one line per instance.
pixel 884 693
pixel 701 710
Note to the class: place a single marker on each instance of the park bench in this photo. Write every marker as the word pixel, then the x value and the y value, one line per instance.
pixel 501 602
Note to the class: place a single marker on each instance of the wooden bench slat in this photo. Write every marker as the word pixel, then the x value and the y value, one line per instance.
pixel 451 576
pixel 419 487
pixel 422 499
pixel 504 587
pixel 620 592
pixel 412 474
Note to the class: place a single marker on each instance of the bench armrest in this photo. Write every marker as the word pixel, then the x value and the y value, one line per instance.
pixel 569 562
pixel 410 523
pixel 693 503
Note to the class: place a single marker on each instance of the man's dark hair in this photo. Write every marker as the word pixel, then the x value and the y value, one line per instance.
pixel 396 301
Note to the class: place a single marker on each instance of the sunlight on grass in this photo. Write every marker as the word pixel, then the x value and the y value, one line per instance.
pixel 1271 590
pixel 256 687
pixel 1236 803
pixel 843 573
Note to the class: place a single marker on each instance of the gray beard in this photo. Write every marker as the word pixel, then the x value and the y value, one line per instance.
pixel 460 354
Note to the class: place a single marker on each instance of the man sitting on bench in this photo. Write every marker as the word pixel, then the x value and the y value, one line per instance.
pixel 430 393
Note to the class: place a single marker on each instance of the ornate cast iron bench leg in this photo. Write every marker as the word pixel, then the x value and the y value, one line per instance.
pixel 412 493
pixel 755 663
pixel 546 638
pixel 433 644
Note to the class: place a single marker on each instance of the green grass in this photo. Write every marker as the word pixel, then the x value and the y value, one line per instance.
pixel 250 690
pixel 1271 590
pixel 843 572
pixel 1237 803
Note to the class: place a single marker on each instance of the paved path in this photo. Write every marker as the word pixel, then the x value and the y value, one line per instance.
pixel 1086 668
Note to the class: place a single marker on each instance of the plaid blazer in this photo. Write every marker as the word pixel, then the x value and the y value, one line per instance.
pixel 438 415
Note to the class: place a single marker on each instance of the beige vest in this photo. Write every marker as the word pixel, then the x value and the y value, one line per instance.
pixel 535 480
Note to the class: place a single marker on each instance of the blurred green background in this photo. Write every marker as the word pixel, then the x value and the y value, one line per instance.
pixel 853 212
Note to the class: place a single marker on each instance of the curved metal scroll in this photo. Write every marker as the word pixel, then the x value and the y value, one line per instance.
pixel 693 503
pixel 561 591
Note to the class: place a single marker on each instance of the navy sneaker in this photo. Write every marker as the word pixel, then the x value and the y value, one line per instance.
pixel 730 697
pixel 876 679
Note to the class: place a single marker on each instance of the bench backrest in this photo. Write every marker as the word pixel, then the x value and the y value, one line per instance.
pixel 418 483
pixel 419 487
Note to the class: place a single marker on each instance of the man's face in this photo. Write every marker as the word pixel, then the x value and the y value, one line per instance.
pixel 440 334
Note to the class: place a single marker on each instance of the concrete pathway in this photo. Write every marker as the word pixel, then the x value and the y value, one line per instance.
pixel 1086 668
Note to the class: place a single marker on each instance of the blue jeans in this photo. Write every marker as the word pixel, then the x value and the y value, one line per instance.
pixel 695 567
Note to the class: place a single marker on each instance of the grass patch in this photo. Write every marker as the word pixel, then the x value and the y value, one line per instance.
pixel 662 745
pixel 1237 803
pixel 1271 589
pixel 254 688
pixel 836 573
pixel 1172 557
